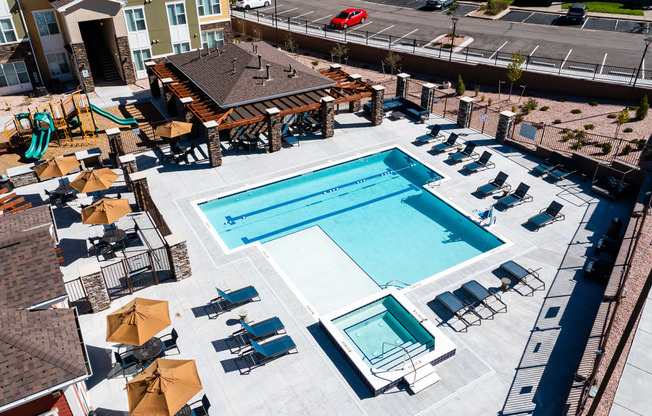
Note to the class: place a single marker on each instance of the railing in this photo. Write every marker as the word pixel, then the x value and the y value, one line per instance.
pixel 137 272
pixel 391 283
pixel 156 215
pixel 405 353
pixel 77 295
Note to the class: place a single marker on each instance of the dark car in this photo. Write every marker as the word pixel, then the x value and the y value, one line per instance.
pixel 439 4
pixel 577 13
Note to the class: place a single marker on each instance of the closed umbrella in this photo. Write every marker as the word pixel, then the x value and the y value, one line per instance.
pixel 94 180
pixel 55 167
pixel 173 129
pixel 163 388
pixel 137 321
pixel 105 211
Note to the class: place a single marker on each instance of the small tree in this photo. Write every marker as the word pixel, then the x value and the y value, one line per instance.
pixel 455 6
pixel 621 118
pixel 641 112
pixel 514 70
pixel 339 51
pixel 291 44
pixel 392 60
pixel 460 88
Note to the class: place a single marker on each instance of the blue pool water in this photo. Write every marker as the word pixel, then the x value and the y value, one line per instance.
pixel 374 208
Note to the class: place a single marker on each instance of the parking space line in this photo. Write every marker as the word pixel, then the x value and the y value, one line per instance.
pixel 567 55
pixel 305 14
pixel 381 31
pixel 361 26
pixel 534 50
pixel 285 11
pixel 587 19
pixel 616 25
pixel 497 50
pixel 523 21
pixel 316 20
pixel 603 61
pixel 408 34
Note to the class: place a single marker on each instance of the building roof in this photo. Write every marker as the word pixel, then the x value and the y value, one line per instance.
pixel 62 5
pixel 38 350
pixel 28 219
pixel 214 73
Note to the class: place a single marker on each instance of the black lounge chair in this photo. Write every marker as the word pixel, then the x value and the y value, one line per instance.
pixel 563 171
pixel 259 354
pixel 610 242
pixel 598 270
pixel 480 164
pixel 523 274
pixel 496 185
pixel 549 164
pixel 466 153
pixel 126 361
pixel 200 407
pixel 519 196
pixel 547 215
pixel 434 134
pixel 229 300
pixel 458 308
pixel 483 295
pixel 450 143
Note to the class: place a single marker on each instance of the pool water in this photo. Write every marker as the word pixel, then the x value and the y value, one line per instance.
pixel 374 208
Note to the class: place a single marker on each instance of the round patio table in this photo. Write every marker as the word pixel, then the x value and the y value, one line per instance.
pixel 149 350
pixel 185 411
pixel 64 189
pixel 114 235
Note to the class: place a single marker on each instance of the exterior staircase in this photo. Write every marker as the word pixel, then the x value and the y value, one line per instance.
pixel 100 54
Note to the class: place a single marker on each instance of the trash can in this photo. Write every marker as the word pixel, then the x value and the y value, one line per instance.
pixel 5 183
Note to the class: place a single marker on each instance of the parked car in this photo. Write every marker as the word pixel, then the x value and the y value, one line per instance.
pixel 347 18
pixel 577 13
pixel 251 4
pixel 439 4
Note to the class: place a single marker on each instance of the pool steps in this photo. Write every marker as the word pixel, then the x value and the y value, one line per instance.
pixel 393 358
pixel 425 377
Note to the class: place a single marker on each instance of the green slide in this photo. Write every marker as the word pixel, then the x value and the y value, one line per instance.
pixel 122 121
pixel 40 136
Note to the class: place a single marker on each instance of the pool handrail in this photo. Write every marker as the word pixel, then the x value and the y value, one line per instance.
pixel 405 352
pixel 386 285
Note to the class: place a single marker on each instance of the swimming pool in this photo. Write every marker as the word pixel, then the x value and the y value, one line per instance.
pixel 374 208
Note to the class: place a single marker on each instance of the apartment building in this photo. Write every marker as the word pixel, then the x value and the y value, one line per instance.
pixel 100 42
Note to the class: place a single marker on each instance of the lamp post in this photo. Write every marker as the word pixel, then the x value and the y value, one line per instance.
pixel 638 71
pixel 275 22
pixel 450 56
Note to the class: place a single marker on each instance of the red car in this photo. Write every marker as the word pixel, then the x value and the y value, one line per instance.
pixel 348 17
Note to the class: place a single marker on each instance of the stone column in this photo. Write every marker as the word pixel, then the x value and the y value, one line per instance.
pixel 505 125
pixel 402 82
pixel 327 115
pixel 140 189
pixel 124 54
pixel 213 143
pixel 188 116
pixel 273 120
pixel 24 178
pixel 335 67
pixel 464 111
pixel 428 96
pixel 128 165
pixel 154 88
pixel 356 105
pixel 84 66
pixel 170 100
pixel 94 285
pixel 377 98
pixel 115 141
pixel 178 255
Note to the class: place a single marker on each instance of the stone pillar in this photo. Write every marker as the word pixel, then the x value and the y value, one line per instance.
pixel 335 67
pixel 83 66
pixel 377 98
pixel 170 100
pixel 94 285
pixel 25 178
pixel 140 189
pixel 355 106
pixel 327 115
pixel 154 88
pixel 213 143
pixel 115 141
pixel 464 112
pixel 124 54
pixel 505 125
pixel 402 82
pixel 428 96
pixel 178 255
pixel 188 116
pixel 128 165
pixel 273 120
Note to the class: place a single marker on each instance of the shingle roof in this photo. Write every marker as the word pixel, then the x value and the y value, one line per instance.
pixel 28 219
pixel 60 3
pixel 214 74
pixel 38 350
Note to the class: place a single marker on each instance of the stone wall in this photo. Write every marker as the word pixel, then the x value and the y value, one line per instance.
pixel 505 125
pixel 24 179
pixel 93 282
pixel 20 51
pixel 213 143
pixel 83 64
pixel 464 111
pixel 124 53
pixel 224 26
pixel 273 120
pixel 377 99
pixel 327 115
pixel 178 255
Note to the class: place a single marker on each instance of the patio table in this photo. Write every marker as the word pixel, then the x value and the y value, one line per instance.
pixel 185 411
pixel 114 235
pixel 149 350
pixel 64 189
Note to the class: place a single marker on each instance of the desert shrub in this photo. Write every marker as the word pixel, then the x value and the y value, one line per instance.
pixel 580 135
pixel 482 97
pixel 518 119
pixel 493 7
pixel 476 90
pixel 489 101
pixel 561 100
pixel 628 130
pixel 566 130
pixel 594 103
pixel 544 108
pixel 568 136
pixel 612 115
pixel 314 64
pixel 641 113
pixel 627 149
pixel 576 111
pixel 530 105
pixel 589 127
pixel 606 148
pixel 460 88
pixel 513 109
pixel 576 146
pixel 633 108
pixel 557 121
pixel 640 144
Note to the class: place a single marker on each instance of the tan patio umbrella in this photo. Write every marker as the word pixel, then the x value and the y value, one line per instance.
pixel 137 321
pixel 173 129
pixel 55 167
pixel 163 388
pixel 94 180
pixel 105 211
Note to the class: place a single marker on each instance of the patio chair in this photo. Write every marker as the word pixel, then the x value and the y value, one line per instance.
pixel 466 153
pixel 480 164
pixel 53 197
pixel 98 246
pixel 433 134
pixel 171 342
pixel 259 354
pixel 496 185
pixel 519 196
pixel 259 330
pixel 549 164
pixel 483 295
pixel 200 407
pixel 547 215
pixel 450 143
pixel 126 360
pixel 232 299
pixel 562 172
pixel 610 242
pixel 522 274
pixel 598 270
pixel 458 308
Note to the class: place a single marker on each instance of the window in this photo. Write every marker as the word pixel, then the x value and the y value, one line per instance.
pixel 212 39
pixel 140 57
pixel 135 20
pixel 181 47
pixel 208 7
pixel 58 63
pixel 13 73
pixel 176 14
pixel 7 33
pixel 46 23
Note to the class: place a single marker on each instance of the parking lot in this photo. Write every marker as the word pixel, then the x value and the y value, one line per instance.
pixel 592 23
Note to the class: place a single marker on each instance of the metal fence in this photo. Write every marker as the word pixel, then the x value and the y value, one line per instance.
pixel 155 214
pixel 77 295
pixel 137 272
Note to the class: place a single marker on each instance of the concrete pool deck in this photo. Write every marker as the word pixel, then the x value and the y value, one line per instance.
pixel 521 361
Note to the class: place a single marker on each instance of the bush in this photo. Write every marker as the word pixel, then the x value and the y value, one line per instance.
pixel 460 89
pixel 561 100
pixel 566 130
pixel 513 109
pixel 606 148
pixel 594 104
pixel 530 105
pixel 314 64
pixel 544 108
pixel 576 146
pixel 633 108
pixel 493 7
pixel 641 113
pixel 640 143
pixel 482 97
pixel 568 136
pixel 627 149
pixel 476 90
pixel 628 130
pixel 557 121
pixel 612 115
pixel 518 119
pixel 589 127
pixel 580 135
pixel 576 111
pixel 489 101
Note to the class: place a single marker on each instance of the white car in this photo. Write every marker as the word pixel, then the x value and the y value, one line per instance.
pixel 251 4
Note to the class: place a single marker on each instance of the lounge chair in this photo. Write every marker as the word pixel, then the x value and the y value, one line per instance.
pixel 519 196
pixel 458 308
pixel 549 164
pixel 466 153
pixel 259 354
pixel 450 143
pixel 563 171
pixel 598 270
pixel 259 330
pixel 126 361
pixel 547 215
pixel 523 274
pixel 483 295
pixel 290 140
pixel 228 300
pixel 480 164
pixel 200 407
pixel 610 242
pixel 434 134
pixel 496 185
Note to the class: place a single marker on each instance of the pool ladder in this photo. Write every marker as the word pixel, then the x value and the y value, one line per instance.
pixel 406 355
pixel 433 182
pixel 393 283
